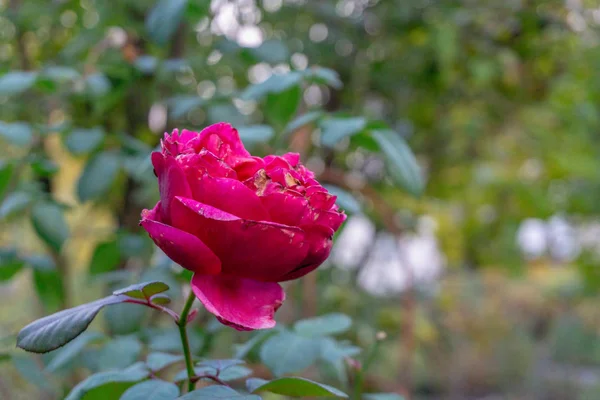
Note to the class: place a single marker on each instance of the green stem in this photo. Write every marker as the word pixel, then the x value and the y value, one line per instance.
pixel 181 323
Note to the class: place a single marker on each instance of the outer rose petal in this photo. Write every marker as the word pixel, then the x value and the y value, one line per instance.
pixel 320 239
pixel 257 250
pixel 182 247
pixel 171 182
pixel 244 304
pixel 229 195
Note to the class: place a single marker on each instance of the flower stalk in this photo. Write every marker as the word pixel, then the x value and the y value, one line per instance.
pixel 181 324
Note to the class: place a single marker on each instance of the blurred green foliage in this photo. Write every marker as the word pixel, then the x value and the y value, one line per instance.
pixel 498 101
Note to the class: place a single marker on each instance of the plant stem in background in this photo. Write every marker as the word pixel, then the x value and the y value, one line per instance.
pixel 181 323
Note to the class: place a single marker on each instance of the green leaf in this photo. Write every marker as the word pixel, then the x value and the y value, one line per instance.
pixel 98 176
pixel 10 264
pixel 255 134
pixel 294 387
pixel 108 385
pixel 220 365
pixel 81 141
pixel 143 290
pixel 302 120
pixel 272 51
pixel 276 83
pixel 106 258
pixel 242 350
pixel 49 288
pixel 280 107
pixel 324 75
pixel 161 299
pixel 61 74
pixel 32 371
pixel 164 19
pixel 17 133
pixel 402 163
pixel 13 203
pixel 344 199
pixel 217 392
pixel 126 318
pixel 182 375
pixel 146 64
pixel 43 166
pixel 335 129
pixel 56 330
pixel 119 353
pixel 70 351
pixel 287 352
pixel 50 224
pixel 159 360
pixel 169 340
pixel 97 84
pixel 6 172
pixel 179 106
pixel 382 396
pixel 16 82
pixel 152 390
pixel 234 373
pixel 333 350
pixel 330 324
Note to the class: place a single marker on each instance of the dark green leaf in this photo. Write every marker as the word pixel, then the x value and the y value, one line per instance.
pixel 106 258
pixel 6 171
pixel 302 120
pixel 182 375
pixel 345 199
pixel 10 263
pixel 330 324
pixel 44 167
pixel 335 129
pixel 14 203
pixel 16 82
pixel 98 176
pixel 164 19
pixel 81 141
pixel 402 163
pixel 17 133
pixel 108 385
pixel 159 360
pixel 217 392
pixel 295 387
pixel 255 134
pixel 66 354
pixel 50 224
pixel 152 390
pixel 49 288
pixel 56 330
pixel 287 352
pixel 281 107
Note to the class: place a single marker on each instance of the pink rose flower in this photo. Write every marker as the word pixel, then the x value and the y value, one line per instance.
pixel 240 223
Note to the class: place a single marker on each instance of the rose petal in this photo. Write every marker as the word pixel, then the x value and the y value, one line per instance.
pixel 251 249
pixel 222 140
pixel 285 207
pixel 182 247
pixel 171 182
pixel 320 239
pixel 229 195
pixel 244 304
pixel 196 164
pixel 247 167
